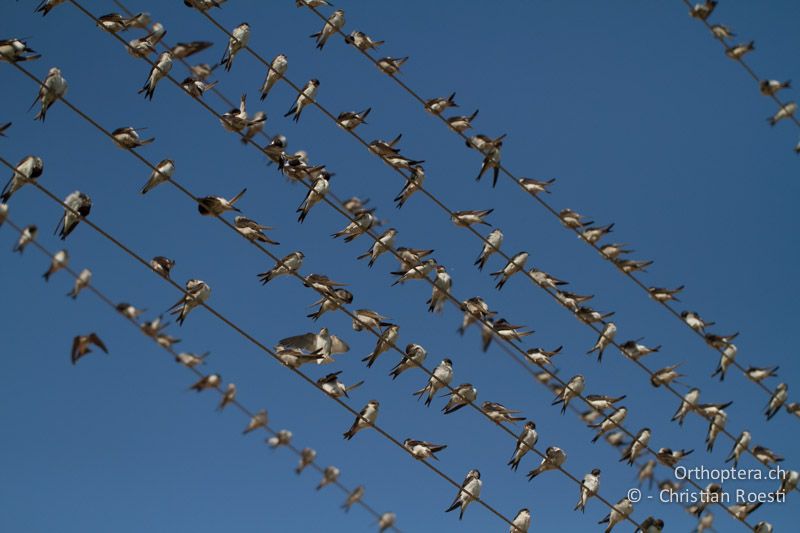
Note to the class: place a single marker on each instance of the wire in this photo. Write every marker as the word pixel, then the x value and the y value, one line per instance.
pixel 241 407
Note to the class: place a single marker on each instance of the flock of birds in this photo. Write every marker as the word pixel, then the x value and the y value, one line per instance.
pixel 605 414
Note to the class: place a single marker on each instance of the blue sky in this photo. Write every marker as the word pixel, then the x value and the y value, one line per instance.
pixel 632 107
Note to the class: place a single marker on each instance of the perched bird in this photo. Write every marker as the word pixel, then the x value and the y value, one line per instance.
pixel 721 31
pixel 411 257
pixel 259 420
pixel 438 105
pixel 203 5
pixel 525 442
pixel 441 290
pixel 592 235
pixel 600 402
pixel 275 72
pixel 469 491
pixel 184 50
pixel 112 22
pixel 202 71
pixel 766 456
pixel 422 450
pixel 760 374
pixel 640 443
pixel 442 376
pixel 789 482
pixel 361 224
pixel 17 51
pixel 694 321
pixel 159 71
pixel 211 381
pixel 368 319
pixel 420 271
pixel 499 413
pixel 543 279
pixel 254 126
pixel 235 120
pixel 315 194
pixel 661 294
pixel 217 205
pixel 621 511
pixel 763 527
pixel 51 89
pixel 776 401
pixel 382 244
pixel 606 337
pixel 630 265
pixel 27 170
pixel 534 187
pixel 491 160
pixel 197 292
pixel 307 457
pixel 665 376
pixel 708 495
pixel 78 206
pixel 81 282
pixel 227 397
pixel 282 438
pixel 306 97
pixel 516 264
pixel 771 87
pixel 321 344
pixel 191 360
pixel 362 41
pixel 385 148
pixel 793 408
pixel 609 423
pixel 331 302
pixel 386 520
pixel 129 311
pixel 475 310
pixel 128 138
pixel 293 358
pixel 505 330
pixel 468 218
pixel 81 346
pixel 162 173
pixel 391 65
pixel 572 389
pixel 742 510
pixel 541 357
pixel 715 426
pixel 386 340
pixel 240 36
pixel 726 360
pixel 157 32
pixel 483 143
pixel 635 350
pixel 365 419
pixel 553 458
pixel 462 123
pixel 573 219
pixel 350 120
pixel 704 10
pixel 460 396
pixel 786 111
pixel 334 24
pixel 414 356
pixel 651 525
pixel 521 522
pixel 353 498
pixel 614 250
pixel 45 6
pixel 590 316
pixel 197 88
pixel 589 487
pixel 738 51
pixel 26 236
pixel 413 184
pixel 162 265
pixel 333 387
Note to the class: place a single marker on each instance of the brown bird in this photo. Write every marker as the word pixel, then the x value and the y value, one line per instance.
pixel 81 346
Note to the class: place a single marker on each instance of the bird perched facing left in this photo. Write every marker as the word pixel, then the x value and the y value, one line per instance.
pixel 334 23
pixel 365 419
pixel 159 71
pixel 240 36
pixel 16 51
pixel 26 171
pixel 216 205
pixel 306 97
pixel 128 138
pixel 197 292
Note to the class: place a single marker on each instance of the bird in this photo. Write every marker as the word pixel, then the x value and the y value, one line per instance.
pixel 572 389
pixel 760 374
pixel 704 10
pixel 521 522
pixel 715 426
pixel 384 148
pixel 59 260
pixel 694 321
pixel 422 450
pixel 460 396
pixel 306 97
pixel 254 126
pixel 160 70
pixel 413 183
pixel 600 402
pixel 420 271
pixel 789 482
pixel 641 442
pixel 334 24
pixel 411 257
pixel 190 360
pixel 543 279
pixel 776 401
pixel 81 282
pixel 414 357
pixel 635 350
pixel 462 123
pixel 321 344
pixel 382 244
pixel 784 112
pixel 157 32
pixel 204 5
pixel 128 138
pixel 17 51
pixel 709 494
pixel 665 376
pixel 45 6
pixel 534 187
pixel 365 419
pixel 235 120
pixel 4 128
pixel 240 36
pixel 725 361
pixel 277 68
pixel 350 120
pixel 630 265
pixel 353 498
pixel 763 527
pixel 467 218
pixel 541 357
pixel 437 106
pixel 252 230
pixel 385 341
pixel 27 171
pixel 112 22
pixel 553 458
pixel 81 346
pixel 330 302
pixel 483 143
pixel 217 205
pixel 227 397
pixel 162 265
pixel 294 358
pixel 78 206
pixel 661 294
pixel 307 457
pixel 315 194
pixel 611 422
pixel 26 236
pixel 621 511
pixel 162 173
pixel 201 71
pixel 282 438
pixel 741 511
pixel 386 520
pixel 210 381
pixel 258 420
pixel 333 387
pixel 590 316
pixel 329 475
pixel 491 160
pixel 288 265
pixel 514 265
pixel 766 456
pixel 589 487
pixel 475 310
pixel 499 413
pixel 361 224
pixel 606 337
pixel 771 87
pixel 505 330
pixel 53 87
pixel 140 20
pixel 197 292
pixel 184 50
pixel 469 491
pixel 441 289
pixel 573 219
pixel 738 51
pixel 368 319
pixel 391 65
pixel 525 442
pixel 362 41
pixel 442 376
pixel 721 31
pixel 594 234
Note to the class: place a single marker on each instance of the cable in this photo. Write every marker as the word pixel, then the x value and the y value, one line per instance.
pixel 236 403
pixel 555 213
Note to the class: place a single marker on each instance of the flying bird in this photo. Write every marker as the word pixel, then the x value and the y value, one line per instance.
pixel 81 345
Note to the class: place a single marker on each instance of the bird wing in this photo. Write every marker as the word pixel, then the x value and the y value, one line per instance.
pixel 338 345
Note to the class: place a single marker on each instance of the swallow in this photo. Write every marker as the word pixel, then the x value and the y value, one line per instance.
pixel 590 316
pixel 27 171
pixel 709 494
pixel 385 341
pixel 614 250
pixel 541 357
pixel 157 32
pixel 391 65
pixel 767 87
pixel 399 161
pixel 491 160
pixel 129 311
pixel 382 244
pixel 420 271
pixel 201 71
pixel 217 205
pixel 331 302
pixel 81 282
pixel 306 97
pixel 600 402
pixel 462 123
pixel 3 128
pixel 190 360
pixel 742 510
pixel 589 487
pixel 592 235
pixel 240 36
pixel 722 32
pixel 275 72
pixel 81 346
pixel 760 374
pixel 437 106
pixel 203 5
pixel 282 438
pixel 661 294
pixel 694 321
pixel 611 422
pixel 553 459
pixel 573 219
pixel 128 138
pixel 78 206
pixel 786 111
pixel 651 525
pixel 421 450
pixel 413 184
pixel 442 376
pixel 353 498
pixel 763 527
pixel 53 87
pixel 534 187
pixel 315 194
pixel 521 522
pixel 254 126
pixel 571 300
pixel 789 482
pixel 665 376
pixel 411 257
pixel 197 292
pixel 634 350
pixel 499 413
pixel 293 358
pixel 275 149
pixel 766 456
pixel 502 328
pixel 468 218
pixel 385 148
pixel 726 359
pixel 162 173
pixel 26 236
pixel 227 397
pixel 441 289
pixel 258 420
pixel 572 389
pixel 350 120
pixel 153 328
pixel 525 441
pixel 361 224
pixel 330 475
pixel 362 41
pixel 704 10
pixel 197 88
pixel 708 410
pixel 365 419
pixel 475 310
pixel 368 319
pixel 469 491
pixel 333 387
pixel 159 71
pixel 236 119
pixel 386 521
pixel 184 50
pixel 210 381
pixel 621 511
pixel 629 265
pixel 161 265
pixel 112 22
pixel 738 51
pixel 715 426
pixel 307 457
pixel 460 396
pixel 321 344
pixel 606 337
pixel 334 24
pixel 776 401
pixel 640 443
pixel 16 51
pixel 516 264
pixel 483 143
pixel 414 357
pixel 45 6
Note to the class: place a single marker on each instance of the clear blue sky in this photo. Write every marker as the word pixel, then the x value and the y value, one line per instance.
pixel 632 107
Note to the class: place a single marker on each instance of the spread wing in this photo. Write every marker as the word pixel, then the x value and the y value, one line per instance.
pixel 338 345
pixel 306 342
